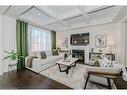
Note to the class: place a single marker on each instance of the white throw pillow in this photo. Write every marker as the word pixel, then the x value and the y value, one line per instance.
pixel 32 54
pixel 38 54
pixel 48 52
pixel 105 62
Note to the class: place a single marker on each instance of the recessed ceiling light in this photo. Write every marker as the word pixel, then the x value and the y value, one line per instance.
pixel 39 14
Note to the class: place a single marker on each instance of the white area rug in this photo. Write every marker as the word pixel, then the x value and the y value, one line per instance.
pixel 75 78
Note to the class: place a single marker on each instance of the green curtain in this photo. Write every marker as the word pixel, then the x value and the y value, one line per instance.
pixel 53 39
pixel 21 40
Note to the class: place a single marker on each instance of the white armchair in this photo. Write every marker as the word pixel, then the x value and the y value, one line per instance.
pixel 102 74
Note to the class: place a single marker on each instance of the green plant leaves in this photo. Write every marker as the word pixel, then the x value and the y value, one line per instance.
pixel 13 55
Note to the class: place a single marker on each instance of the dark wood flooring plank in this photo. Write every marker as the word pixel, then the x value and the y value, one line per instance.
pixel 120 83
pixel 26 79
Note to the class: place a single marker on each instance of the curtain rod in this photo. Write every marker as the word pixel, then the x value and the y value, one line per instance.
pixel 29 22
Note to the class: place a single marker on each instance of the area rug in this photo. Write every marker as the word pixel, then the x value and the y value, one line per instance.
pixel 75 79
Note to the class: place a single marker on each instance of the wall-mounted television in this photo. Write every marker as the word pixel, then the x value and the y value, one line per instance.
pixel 79 39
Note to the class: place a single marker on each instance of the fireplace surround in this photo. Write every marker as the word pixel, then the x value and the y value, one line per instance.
pixel 78 54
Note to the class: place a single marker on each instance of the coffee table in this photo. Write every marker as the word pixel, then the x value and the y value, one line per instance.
pixel 69 64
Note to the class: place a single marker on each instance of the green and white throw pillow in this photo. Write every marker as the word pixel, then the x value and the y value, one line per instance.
pixel 55 52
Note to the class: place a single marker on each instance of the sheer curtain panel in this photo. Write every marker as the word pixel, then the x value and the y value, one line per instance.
pixel 39 39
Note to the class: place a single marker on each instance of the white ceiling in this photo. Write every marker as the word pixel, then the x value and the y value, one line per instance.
pixel 3 9
pixel 61 18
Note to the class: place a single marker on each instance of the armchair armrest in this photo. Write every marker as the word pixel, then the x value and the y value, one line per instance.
pixel 103 74
pixel 104 70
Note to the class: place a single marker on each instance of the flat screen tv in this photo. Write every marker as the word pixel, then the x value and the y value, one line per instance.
pixel 79 39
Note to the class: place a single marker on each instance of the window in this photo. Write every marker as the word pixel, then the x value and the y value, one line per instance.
pixel 38 39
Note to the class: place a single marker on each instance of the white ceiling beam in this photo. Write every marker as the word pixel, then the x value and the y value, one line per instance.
pixel 15 11
pixel 51 14
pixel 6 10
pixel 84 13
pixel 26 10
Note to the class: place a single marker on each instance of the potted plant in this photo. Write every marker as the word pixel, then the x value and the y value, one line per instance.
pixel 13 56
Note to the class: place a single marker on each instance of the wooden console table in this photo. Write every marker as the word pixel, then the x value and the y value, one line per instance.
pixel 94 55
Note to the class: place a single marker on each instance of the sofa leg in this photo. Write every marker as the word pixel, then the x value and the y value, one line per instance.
pixel 109 83
pixel 87 79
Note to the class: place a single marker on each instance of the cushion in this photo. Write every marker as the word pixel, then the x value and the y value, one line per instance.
pixel 38 54
pixel 105 62
pixel 48 52
pixel 32 54
pixel 43 55
pixel 97 64
pixel 55 52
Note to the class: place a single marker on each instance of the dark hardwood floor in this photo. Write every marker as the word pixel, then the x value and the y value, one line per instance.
pixel 28 80
pixel 120 83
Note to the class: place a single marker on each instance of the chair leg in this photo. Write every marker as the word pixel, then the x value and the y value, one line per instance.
pixel 87 79
pixel 109 83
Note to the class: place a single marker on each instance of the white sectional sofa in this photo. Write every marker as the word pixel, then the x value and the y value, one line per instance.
pixel 39 64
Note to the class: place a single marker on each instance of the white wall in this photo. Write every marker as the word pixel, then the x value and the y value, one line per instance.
pixel 1 46
pixel 113 32
pixel 124 42
pixel 8 38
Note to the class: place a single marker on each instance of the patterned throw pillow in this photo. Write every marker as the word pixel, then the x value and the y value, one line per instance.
pixel 97 64
pixel 40 54
pixel 105 62
pixel 43 55
pixel 55 52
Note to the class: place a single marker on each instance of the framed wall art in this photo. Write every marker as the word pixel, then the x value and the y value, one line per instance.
pixel 101 41
pixel 65 42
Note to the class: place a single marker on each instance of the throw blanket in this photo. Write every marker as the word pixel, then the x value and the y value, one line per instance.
pixel 124 72
pixel 29 61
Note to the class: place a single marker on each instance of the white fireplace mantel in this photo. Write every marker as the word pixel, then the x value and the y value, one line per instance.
pixel 86 51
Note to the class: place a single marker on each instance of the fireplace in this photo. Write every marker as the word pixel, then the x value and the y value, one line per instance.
pixel 78 54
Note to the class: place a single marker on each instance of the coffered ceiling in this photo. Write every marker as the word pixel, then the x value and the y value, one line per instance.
pixel 61 18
